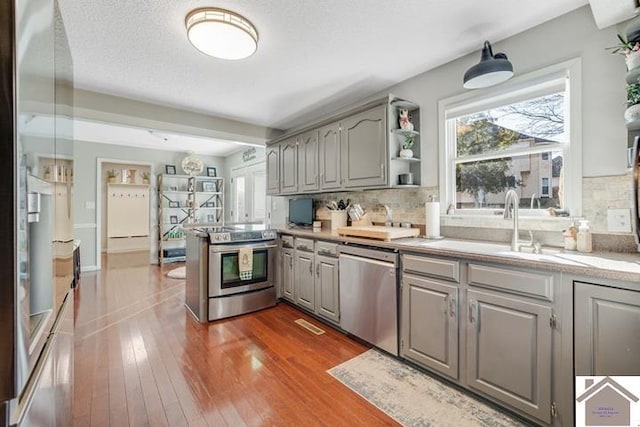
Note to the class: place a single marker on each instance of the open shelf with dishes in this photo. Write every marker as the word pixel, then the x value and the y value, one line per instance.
pixel 404 144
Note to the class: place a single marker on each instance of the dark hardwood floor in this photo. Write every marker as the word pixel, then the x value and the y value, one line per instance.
pixel 141 359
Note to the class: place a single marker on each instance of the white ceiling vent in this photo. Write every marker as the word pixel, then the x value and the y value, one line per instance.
pixel 610 12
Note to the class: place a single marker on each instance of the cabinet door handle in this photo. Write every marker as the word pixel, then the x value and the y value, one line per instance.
pixel 471 309
pixel 311 269
pixel 382 170
pixel 291 262
pixel 452 307
pixel 318 269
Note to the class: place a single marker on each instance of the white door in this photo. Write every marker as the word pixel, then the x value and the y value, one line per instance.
pixel 248 192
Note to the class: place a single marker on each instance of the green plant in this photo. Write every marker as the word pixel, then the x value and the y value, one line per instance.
pixel 633 94
pixel 111 173
pixel 146 175
pixel 409 139
pixel 624 47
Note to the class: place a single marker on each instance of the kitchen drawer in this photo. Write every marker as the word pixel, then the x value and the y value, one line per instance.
pixel 326 248
pixel 286 241
pixel 304 244
pixel 516 282
pixel 433 267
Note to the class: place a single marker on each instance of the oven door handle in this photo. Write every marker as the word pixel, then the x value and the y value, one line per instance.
pixel 228 250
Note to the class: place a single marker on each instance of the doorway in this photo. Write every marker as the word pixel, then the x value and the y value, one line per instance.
pixel 248 194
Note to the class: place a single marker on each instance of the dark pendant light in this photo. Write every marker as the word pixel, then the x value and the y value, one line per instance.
pixel 491 70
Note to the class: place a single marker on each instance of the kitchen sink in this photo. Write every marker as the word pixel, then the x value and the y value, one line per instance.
pixel 485 248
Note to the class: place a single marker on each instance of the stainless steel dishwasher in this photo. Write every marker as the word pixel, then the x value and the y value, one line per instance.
pixel 369 295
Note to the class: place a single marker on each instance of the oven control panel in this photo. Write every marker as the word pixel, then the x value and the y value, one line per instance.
pixel 241 236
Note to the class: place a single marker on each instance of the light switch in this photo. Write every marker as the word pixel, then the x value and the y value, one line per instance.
pixel 90 205
pixel 619 220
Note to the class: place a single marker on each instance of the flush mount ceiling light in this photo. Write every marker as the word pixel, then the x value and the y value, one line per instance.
pixel 491 70
pixel 221 33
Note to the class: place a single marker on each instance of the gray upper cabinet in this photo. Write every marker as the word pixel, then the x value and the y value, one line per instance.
pixel 357 149
pixel 329 156
pixel 509 351
pixel 289 166
pixel 308 179
pixel 430 323
pixel 363 141
pixel 272 160
pixel 607 330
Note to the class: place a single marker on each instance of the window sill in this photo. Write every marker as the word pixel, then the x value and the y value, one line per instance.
pixel 496 221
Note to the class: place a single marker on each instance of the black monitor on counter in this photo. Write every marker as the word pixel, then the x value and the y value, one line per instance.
pixel 301 211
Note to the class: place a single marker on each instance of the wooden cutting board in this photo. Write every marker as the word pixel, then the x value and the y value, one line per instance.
pixel 378 232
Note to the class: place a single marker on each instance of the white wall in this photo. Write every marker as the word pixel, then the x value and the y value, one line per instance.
pixel 569 36
pixel 86 155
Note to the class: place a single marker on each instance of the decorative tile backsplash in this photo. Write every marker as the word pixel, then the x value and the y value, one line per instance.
pixel 407 205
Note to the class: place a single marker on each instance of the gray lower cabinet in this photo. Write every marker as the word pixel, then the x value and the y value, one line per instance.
pixel 329 157
pixel 607 330
pixel 364 148
pixel 308 179
pixel 430 323
pixel 289 166
pixel 304 279
pixel 272 161
pixel 327 287
pixel 310 275
pixel 509 349
pixel 288 279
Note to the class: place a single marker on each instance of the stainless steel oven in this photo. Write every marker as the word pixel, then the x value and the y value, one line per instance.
pixel 216 286
pixel 224 276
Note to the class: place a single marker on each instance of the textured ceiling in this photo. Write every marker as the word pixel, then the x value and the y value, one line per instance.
pixel 311 54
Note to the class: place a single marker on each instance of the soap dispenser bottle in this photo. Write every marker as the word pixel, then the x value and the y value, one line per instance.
pixel 584 237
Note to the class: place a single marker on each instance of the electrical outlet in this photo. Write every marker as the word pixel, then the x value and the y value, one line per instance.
pixel 619 220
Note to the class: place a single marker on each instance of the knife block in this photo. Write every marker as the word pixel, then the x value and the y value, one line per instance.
pixel 362 222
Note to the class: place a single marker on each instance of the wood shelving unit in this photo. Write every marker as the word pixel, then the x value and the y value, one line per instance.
pixel 186 201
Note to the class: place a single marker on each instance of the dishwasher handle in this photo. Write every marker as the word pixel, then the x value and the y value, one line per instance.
pixel 344 259
pixel 376 254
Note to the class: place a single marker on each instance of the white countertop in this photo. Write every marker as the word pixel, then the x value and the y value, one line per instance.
pixel 607 265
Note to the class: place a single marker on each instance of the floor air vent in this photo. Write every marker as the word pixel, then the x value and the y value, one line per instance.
pixel 309 327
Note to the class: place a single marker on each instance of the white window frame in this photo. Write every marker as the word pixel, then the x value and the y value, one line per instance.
pixel 526 86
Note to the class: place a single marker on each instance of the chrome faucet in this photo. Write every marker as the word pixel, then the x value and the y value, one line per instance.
pixel 533 197
pixel 388 221
pixel 511 202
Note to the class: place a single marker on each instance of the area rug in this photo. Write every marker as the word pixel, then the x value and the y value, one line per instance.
pixel 178 273
pixel 413 398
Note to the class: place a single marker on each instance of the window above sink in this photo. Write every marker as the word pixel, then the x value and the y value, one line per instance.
pixel 522 135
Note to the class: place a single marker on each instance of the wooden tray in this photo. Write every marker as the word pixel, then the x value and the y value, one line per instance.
pixel 378 232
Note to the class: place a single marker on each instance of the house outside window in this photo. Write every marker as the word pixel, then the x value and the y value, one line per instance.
pixel 522 135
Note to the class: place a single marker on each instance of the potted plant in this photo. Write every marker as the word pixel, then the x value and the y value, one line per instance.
pixel 111 176
pixel 632 113
pixel 145 177
pixel 47 173
pixel 407 152
pixel 630 50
